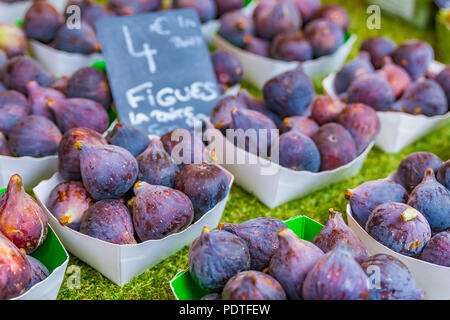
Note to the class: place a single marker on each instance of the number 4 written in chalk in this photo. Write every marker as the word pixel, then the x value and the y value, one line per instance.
pixel 147 52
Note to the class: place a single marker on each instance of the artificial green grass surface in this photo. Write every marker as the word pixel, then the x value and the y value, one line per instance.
pixel 154 283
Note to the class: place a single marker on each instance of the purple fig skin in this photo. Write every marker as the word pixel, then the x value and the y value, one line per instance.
pixel 205 184
pixel 395 280
pixel 246 119
pixel 34 136
pixel 10 115
pixel 424 96
pixel 19 71
pixel 292 262
pixel 68 202
pixel 298 152
pixel 235 26
pixel 4 146
pixel 432 199
pixel 253 285
pixel 336 276
pixel 90 83
pixel 160 211
pixel 378 48
pixel 2 87
pixel 215 257
pixel 225 6
pixel 336 231
pixel 277 17
pixel 369 195
pixel 443 79
pixel 258 46
pixel 212 296
pixel 108 172
pixel 3 61
pixel 156 166
pixel 221 114
pixel 94 12
pixel 399 227
pixel 396 76
pixel 289 94
pixel 42 21
pixel 77 113
pixel 337 14
pixel 206 9
pixel 261 237
pixel 373 90
pixel 307 8
pixel 60 84
pixel 110 221
pixel 352 70
pixel 82 40
pixel 13 40
pixel 259 105
pixel 303 125
pixel 15 273
pixel 38 97
pixel 437 250
pixel 443 174
pixel 39 272
pixel 412 169
pixel 324 36
pixel 291 47
pixel 325 109
pixel 125 7
pixel 227 67
pixel 14 97
pixel 129 138
pixel 415 57
pixel 69 157
pixel 336 146
pixel 362 122
pixel 22 220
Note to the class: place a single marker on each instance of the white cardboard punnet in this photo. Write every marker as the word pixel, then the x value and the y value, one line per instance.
pixel 59 62
pixel 434 279
pixel 273 184
pixel 399 129
pixel 120 263
pixel 31 170
pixel 11 12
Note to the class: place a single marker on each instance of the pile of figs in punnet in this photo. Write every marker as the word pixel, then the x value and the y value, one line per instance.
pixel 23 228
pixel 36 110
pixel 388 77
pixel 261 259
pixel 288 30
pixel 316 132
pixel 409 212
pixel 209 10
pixel 126 188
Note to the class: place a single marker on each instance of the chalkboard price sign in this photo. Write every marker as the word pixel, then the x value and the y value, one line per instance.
pixel 159 68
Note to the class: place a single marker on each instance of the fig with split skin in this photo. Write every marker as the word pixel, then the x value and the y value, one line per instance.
pixel 130 138
pixel 22 220
pixel 160 211
pixel 68 202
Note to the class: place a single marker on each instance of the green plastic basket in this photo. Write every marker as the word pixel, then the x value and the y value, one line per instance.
pixel 185 288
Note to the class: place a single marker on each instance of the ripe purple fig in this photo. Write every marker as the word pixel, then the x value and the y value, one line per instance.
pixel 415 57
pixel 42 21
pixel 298 152
pixel 227 67
pixel 253 285
pixel 206 9
pixel 185 147
pixel 334 13
pixel 324 36
pixel 156 166
pixel 432 199
pixel 261 237
pixel 399 227
pixel 110 221
pixel 301 124
pixel 9 115
pixel 22 220
pixel 443 174
pixel 69 157
pixel 34 136
pixel 336 231
pixel 79 113
pixel 108 172
pixel 12 40
pixel 68 202
pixel 352 70
pixel 132 139
pixel 437 250
pixel 307 8
pixel 159 211
pixel 39 96
pixel 325 109
pixel 15 273
pixel 291 47
pixel 396 76
pixel 224 6
pixel 336 276
pixel 4 146
pixel 292 261
pixel 39 272
pixel 412 169
pixel 378 48
pixel 221 114
pixel 235 26
pixel 257 104
pixel 78 40
pixel 258 46
pixel 215 257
